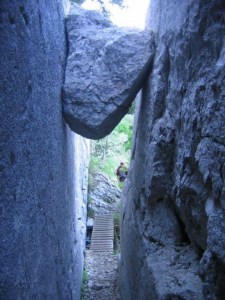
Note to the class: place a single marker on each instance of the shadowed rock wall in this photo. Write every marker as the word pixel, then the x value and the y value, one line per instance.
pixel 173 203
pixel 41 238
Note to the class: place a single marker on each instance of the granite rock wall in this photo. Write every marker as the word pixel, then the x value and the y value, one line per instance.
pixel 41 236
pixel 173 203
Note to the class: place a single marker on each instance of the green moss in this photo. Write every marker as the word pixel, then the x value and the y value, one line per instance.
pixel 116 233
pixel 84 284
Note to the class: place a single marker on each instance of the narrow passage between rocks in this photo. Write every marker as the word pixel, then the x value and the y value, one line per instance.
pixel 100 263
pixel 102 276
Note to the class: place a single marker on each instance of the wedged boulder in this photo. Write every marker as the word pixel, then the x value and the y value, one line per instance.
pixel 105 70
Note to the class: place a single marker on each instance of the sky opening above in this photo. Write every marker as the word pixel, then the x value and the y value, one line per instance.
pixel 132 15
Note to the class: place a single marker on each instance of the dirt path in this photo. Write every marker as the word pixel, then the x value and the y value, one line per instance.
pixel 102 275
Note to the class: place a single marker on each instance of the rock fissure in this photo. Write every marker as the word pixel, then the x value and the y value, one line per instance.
pixel 173 222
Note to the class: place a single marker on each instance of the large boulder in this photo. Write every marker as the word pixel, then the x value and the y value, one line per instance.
pixel 105 69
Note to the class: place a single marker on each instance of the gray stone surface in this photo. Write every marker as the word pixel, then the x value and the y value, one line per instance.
pixel 81 162
pixel 105 69
pixel 102 281
pixel 173 202
pixel 104 195
pixel 177 203
pixel 40 242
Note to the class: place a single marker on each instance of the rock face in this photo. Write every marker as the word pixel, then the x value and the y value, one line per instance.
pixel 41 248
pixel 173 218
pixel 105 69
pixel 104 197
pixel 80 165
pixel 173 212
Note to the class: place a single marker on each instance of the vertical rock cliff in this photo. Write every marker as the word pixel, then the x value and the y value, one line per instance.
pixel 173 204
pixel 42 176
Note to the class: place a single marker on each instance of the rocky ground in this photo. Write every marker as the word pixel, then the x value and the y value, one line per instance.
pixel 102 276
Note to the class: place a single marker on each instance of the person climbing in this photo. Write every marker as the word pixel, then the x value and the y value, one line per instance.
pixel 121 172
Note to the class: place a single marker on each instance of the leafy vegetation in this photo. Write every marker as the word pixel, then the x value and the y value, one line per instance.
pixel 116 239
pixel 107 153
pixel 84 284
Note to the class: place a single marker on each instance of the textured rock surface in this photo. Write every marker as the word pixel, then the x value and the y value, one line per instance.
pixel 104 197
pixel 102 276
pixel 40 239
pixel 177 204
pixel 105 70
pixel 81 161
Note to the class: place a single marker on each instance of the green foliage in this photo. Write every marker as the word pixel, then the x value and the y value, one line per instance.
pixel 131 109
pixel 85 277
pixel 93 168
pixel 107 167
pixel 126 127
pixel 116 218
pixel 107 153
pixel 84 284
pixel 121 184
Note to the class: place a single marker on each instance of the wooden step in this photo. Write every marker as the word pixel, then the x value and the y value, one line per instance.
pixel 102 237
pixel 103 234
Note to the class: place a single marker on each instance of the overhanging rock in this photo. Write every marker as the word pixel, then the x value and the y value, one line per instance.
pixel 106 67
